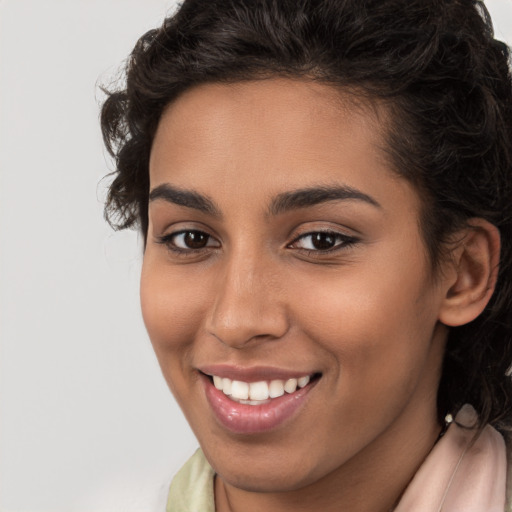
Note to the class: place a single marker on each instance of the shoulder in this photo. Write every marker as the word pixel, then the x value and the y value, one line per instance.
pixel 191 489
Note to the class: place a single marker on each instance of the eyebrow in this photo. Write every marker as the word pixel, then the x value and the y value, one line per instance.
pixel 187 198
pixel 304 197
pixel 283 202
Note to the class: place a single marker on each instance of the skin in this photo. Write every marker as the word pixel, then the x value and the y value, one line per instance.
pixel 366 315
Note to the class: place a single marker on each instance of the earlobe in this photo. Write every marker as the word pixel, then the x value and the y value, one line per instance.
pixel 474 273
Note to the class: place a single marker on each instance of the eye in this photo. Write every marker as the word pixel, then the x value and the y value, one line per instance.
pixel 188 241
pixel 323 241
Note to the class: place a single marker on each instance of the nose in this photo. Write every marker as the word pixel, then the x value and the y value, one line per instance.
pixel 248 305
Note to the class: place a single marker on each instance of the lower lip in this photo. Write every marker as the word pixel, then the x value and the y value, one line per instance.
pixel 253 419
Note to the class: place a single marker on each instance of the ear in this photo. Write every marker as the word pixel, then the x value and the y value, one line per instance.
pixel 473 272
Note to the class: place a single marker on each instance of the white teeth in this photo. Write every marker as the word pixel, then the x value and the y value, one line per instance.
pixel 290 385
pixel 303 381
pixel 253 402
pixel 256 393
pixel 226 386
pixel 217 382
pixel 258 390
pixel 240 390
pixel 276 388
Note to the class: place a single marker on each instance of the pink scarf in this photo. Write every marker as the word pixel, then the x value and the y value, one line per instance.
pixel 460 477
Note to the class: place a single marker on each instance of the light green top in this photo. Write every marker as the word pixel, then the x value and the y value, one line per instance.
pixel 192 488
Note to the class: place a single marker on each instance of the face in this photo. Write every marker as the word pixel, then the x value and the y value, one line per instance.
pixel 283 252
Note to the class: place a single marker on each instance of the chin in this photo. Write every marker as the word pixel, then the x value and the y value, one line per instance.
pixel 267 481
pixel 265 472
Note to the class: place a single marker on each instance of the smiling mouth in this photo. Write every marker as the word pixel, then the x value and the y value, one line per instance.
pixel 256 405
pixel 260 392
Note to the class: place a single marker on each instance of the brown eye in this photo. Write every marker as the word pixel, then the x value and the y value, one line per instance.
pixel 188 241
pixel 195 239
pixel 323 241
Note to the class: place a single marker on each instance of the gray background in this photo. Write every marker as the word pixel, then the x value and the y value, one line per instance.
pixel 86 420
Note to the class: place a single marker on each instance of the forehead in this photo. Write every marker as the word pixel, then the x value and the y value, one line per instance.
pixel 267 99
pixel 266 136
pixel 253 113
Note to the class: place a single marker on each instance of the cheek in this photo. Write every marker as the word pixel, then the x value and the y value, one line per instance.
pixel 378 338
pixel 376 324
pixel 170 309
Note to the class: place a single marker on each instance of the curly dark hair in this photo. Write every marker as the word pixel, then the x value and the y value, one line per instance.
pixel 446 83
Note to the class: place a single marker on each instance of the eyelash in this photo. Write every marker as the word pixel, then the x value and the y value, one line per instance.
pixel 346 242
pixel 167 240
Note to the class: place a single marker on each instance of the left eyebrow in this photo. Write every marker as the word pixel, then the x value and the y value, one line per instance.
pixel 305 197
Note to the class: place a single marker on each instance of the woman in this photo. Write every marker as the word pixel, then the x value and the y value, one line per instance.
pixel 325 192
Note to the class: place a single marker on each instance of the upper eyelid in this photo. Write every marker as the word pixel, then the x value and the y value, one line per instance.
pixel 329 231
pixel 179 232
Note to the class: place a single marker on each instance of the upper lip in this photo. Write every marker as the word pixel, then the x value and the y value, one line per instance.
pixel 253 373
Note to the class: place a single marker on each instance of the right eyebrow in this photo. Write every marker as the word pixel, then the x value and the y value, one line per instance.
pixel 306 197
pixel 186 198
